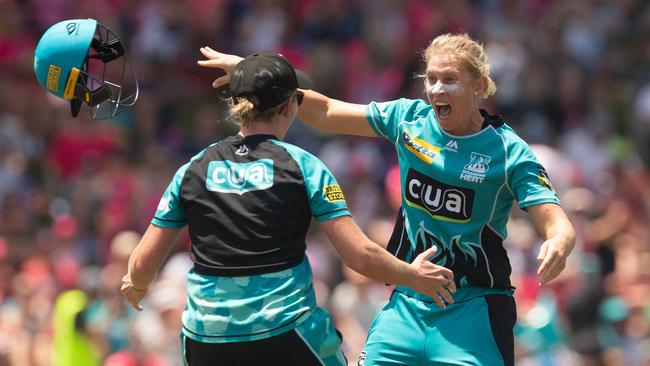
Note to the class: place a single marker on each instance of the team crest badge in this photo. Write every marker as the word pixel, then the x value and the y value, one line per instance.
pixel 476 169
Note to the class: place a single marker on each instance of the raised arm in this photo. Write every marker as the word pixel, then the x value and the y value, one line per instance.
pixel 145 262
pixel 317 110
pixel 369 259
pixel 554 226
pixel 322 112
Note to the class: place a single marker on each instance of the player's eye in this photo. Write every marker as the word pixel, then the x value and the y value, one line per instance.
pixel 450 80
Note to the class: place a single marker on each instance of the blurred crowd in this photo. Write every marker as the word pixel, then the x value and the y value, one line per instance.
pixel 573 79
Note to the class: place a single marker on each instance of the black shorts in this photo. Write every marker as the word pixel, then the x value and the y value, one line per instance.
pixel 285 349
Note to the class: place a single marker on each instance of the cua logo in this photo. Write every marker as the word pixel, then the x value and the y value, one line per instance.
pixel 441 201
pixel 230 177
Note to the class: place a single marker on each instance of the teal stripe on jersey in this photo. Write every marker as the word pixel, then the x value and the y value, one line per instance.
pixel 326 198
pixel 247 308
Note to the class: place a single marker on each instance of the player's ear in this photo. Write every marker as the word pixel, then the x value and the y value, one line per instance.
pixel 480 86
pixel 285 108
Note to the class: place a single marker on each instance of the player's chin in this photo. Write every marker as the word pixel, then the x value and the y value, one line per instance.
pixel 447 123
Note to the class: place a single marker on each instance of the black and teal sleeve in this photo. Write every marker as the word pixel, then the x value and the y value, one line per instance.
pixel 326 199
pixel 169 213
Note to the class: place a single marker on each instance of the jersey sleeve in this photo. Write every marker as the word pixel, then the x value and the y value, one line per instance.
pixel 529 181
pixel 169 213
pixel 385 117
pixel 326 199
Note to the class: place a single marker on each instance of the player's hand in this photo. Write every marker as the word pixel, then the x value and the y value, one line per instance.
pixel 552 257
pixel 132 295
pixel 433 280
pixel 221 61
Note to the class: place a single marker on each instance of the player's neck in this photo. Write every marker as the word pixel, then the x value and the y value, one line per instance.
pixel 473 125
pixel 274 127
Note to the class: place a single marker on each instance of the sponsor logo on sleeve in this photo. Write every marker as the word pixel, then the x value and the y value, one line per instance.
pixel 230 177
pixel 542 177
pixel 53 74
pixel 422 149
pixel 333 193
pixel 476 169
pixel 441 201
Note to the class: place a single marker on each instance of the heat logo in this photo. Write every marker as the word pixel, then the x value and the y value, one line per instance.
pixel 476 169
pixel 230 177
pixel 441 201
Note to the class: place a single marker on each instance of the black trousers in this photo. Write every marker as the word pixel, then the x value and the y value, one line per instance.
pixel 283 350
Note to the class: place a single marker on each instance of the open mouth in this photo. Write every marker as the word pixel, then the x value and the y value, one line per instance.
pixel 443 110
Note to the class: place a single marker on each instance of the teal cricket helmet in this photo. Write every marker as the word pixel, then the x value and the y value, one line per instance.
pixel 83 61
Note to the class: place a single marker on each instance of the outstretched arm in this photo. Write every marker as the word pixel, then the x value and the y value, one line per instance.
pixel 556 229
pixel 322 112
pixel 368 258
pixel 317 110
pixel 145 261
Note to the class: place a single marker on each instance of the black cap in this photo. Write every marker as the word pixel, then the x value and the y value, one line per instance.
pixel 267 76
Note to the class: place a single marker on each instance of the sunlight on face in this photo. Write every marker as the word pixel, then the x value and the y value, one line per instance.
pixel 452 91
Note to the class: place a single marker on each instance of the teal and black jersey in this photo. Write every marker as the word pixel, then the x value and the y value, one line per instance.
pixel 457 191
pixel 248 202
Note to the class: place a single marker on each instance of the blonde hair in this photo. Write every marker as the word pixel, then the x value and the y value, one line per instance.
pixel 468 51
pixel 244 112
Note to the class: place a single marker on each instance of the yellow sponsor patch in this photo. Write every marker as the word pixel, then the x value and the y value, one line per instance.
pixel 422 149
pixel 70 85
pixel 542 178
pixel 53 74
pixel 333 193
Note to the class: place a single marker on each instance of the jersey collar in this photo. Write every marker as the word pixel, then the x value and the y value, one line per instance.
pixel 254 138
pixel 491 120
